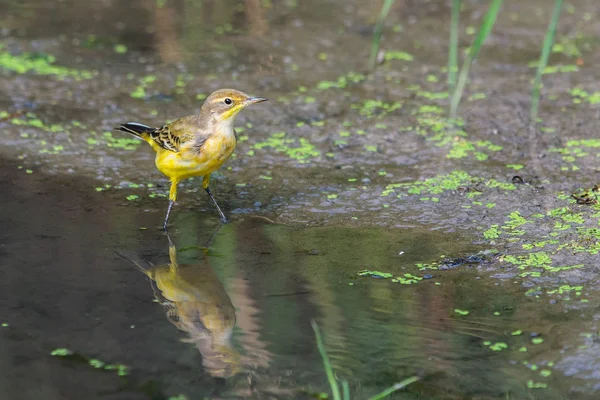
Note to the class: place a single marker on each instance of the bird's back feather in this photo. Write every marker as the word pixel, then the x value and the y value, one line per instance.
pixel 165 136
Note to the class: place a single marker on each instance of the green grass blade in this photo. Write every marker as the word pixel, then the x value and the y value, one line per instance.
pixel 453 45
pixel 484 31
pixel 345 390
pixel 543 61
pixel 385 10
pixel 397 386
pixel 335 390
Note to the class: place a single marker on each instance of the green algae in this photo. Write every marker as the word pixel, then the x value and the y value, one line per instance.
pixel 299 149
pixel 31 120
pixel 40 64
pixel 555 69
pixel 96 363
pixel 574 150
pixel 124 143
pixel 376 108
pixel 462 148
pixel 566 289
pixel 424 266
pixel 579 95
pixel 407 279
pixel 492 232
pixel 515 220
pixel 342 82
pixel 442 131
pixel 557 233
pixel 375 274
pixel 398 55
pixel 429 109
pixel 450 182
pixel 404 279
pixel 536 385
pixel 140 91
pixel 122 370
pixel 567 46
pixel 120 48
pixel 498 346
pixel 516 167
pixel 56 149
pixel 477 96
pixel 61 352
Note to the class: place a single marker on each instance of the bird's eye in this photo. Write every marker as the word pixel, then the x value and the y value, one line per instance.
pixel 228 101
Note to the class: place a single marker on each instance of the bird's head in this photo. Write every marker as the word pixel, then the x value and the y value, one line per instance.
pixel 225 104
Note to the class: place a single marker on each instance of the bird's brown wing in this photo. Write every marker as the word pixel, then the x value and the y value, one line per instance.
pixel 174 135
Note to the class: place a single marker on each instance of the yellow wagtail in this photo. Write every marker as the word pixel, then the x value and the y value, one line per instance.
pixel 196 145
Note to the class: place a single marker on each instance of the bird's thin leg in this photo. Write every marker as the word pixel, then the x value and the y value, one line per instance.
pixel 223 217
pixel 205 183
pixel 172 198
pixel 171 202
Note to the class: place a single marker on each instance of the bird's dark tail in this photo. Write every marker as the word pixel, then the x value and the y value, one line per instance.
pixel 135 129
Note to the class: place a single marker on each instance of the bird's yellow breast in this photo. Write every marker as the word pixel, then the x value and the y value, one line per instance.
pixel 192 161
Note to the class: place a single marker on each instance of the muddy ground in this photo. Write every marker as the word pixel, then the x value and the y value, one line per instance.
pixel 343 170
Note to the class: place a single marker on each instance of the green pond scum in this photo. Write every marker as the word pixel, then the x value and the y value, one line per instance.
pixel 121 370
pixel 140 91
pixel 39 64
pixel 299 149
pixel 441 184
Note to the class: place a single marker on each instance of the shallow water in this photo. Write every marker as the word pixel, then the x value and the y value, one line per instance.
pixel 340 172
pixel 70 281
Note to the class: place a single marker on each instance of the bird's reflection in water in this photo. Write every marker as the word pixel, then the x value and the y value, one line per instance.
pixel 196 303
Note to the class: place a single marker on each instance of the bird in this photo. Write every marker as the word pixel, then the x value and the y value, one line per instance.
pixel 196 145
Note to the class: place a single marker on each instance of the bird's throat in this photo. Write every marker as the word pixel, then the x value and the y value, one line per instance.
pixel 224 127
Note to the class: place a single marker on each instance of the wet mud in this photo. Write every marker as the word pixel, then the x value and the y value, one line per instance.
pixel 467 257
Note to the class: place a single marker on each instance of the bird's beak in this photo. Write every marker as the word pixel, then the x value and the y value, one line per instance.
pixel 254 100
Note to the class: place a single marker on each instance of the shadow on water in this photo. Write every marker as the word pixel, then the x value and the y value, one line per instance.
pixel 244 305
